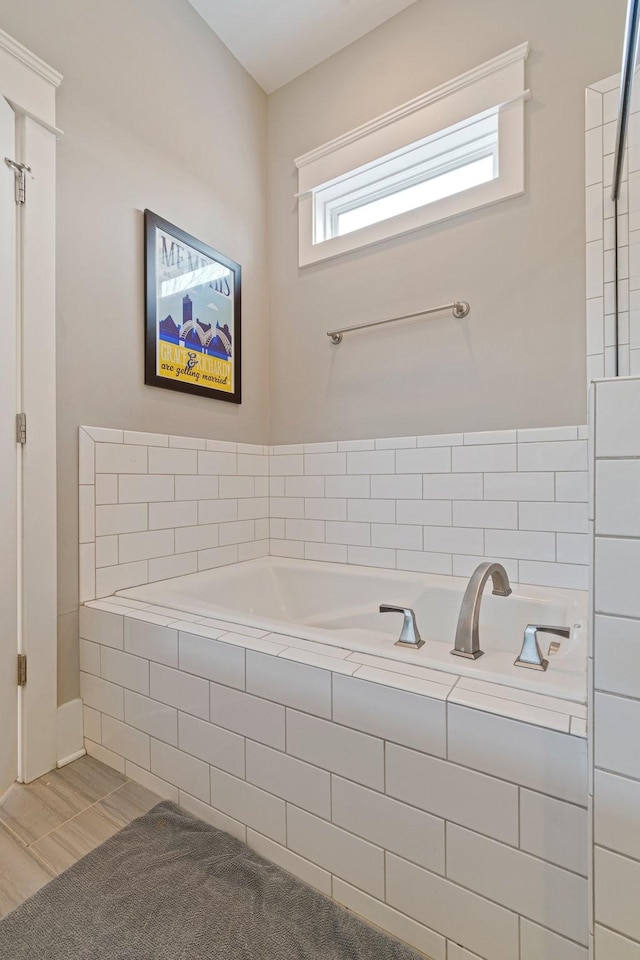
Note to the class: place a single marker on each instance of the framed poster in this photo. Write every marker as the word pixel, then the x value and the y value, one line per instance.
pixel 192 314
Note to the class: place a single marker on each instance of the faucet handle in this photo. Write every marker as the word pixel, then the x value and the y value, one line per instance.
pixel 531 655
pixel 409 635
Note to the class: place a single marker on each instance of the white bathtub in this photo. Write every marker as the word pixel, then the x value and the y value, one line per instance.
pixel 338 605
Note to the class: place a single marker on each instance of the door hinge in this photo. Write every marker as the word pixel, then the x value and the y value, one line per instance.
pixel 21 428
pixel 22 669
pixel 20 171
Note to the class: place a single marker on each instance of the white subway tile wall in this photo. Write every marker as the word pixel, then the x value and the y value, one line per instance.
pixel 154 506
pixel 459 831
pixel 430 504
pixel 615 669
pixel 440 504
pixel 276 739
pixel 601 237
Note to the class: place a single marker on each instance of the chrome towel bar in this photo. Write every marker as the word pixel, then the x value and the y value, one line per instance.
pixel 459 308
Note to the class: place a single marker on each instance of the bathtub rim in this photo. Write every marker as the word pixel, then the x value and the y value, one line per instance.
pixel 495 667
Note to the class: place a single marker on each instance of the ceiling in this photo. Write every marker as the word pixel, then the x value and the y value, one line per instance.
pixel 277 40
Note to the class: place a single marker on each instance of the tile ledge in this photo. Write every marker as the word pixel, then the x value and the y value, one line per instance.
pixel 450 691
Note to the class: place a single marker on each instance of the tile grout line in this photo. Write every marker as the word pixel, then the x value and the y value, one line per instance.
pixel 80 812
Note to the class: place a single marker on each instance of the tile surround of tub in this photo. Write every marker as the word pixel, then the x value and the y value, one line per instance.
pixel 439 504
pixel 601 115
pixel 154 506
pixel 615 670
pixel 389 820
pixel 425 504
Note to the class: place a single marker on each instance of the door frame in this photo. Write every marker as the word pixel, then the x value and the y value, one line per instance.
pixel 29 85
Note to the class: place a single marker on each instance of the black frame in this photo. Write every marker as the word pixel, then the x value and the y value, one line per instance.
pixel 152 222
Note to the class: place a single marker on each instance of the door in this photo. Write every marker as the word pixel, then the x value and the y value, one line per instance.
pixel 8 457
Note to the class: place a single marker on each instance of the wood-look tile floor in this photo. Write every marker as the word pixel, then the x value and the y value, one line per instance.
pixel 48 825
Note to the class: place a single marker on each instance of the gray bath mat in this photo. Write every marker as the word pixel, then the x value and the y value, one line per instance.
pixel 170 887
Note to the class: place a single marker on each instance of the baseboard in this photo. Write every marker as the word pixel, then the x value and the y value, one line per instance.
pixel 71 758
pixel 69 733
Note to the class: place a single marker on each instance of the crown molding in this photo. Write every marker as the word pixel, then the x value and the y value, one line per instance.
pixel 29 59
pixel 520 52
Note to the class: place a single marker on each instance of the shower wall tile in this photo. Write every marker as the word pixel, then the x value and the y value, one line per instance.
pixel 540 759
pixel 180 769
pixel 335 748
pixel 294 684
pixel 411 833
pixel 537 942
pixel 429 504
pixel 105 697
pixel 343 854
pixel 612 946
pixel 397 924
pixel 462 916
pixel 128 671
pixel 483 458
pixel 181 690
pixel 444 789
pixel 303 869
pixel 102 627
pixel 254 807
pixel 602 230
pixel 205 657
pixel 154 507
pixel 210 743
pixel 151 717
pixel 553 830
pixel 250 716
pixel 150 640
pixel 442 504
pixel 531 887
pixel 615 689
pixel 398 715
pixel 293 780
pixel 126 742
pixel 563 455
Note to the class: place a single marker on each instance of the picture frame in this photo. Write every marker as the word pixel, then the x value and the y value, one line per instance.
pixel 193 314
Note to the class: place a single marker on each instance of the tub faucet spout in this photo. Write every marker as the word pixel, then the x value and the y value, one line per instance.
pixel 467 639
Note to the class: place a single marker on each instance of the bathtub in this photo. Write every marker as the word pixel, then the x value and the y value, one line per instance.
pixel 337 605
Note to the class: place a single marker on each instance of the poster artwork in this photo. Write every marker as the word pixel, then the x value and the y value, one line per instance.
pixel 195 314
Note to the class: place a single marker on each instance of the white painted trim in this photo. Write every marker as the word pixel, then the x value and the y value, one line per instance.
pixel 9 469
pixel 26 80
pixel 35 64
pixel 39 453
pixel 500 83
pixel 71 758
pixel 21 111
pixel 69 732
pixel 514 55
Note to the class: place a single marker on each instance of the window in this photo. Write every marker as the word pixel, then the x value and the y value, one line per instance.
pixel 465 158
pixel 453 160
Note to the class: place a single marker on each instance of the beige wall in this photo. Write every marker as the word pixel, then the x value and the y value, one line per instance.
pixel 156 113
pixel 519 358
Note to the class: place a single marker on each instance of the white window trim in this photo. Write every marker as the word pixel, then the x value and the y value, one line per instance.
pixel 497 83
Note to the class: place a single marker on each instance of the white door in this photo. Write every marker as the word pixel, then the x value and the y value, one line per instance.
pixel 8 458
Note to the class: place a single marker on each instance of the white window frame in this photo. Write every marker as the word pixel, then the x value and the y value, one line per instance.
pixel 498 84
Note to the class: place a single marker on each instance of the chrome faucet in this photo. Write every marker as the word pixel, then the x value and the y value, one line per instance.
pixel 531 655
pixel 467 639
pixel 409 635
